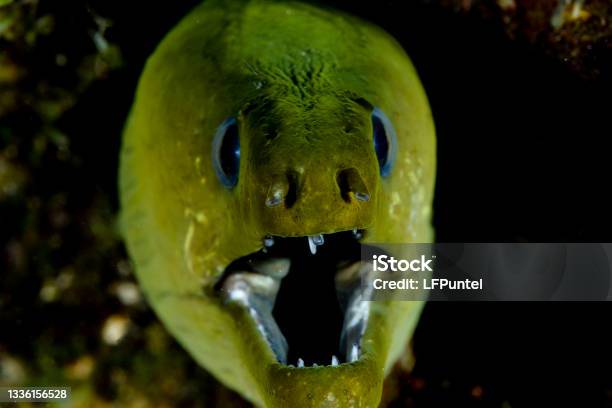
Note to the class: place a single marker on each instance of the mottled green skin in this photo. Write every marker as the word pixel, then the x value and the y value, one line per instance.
pixel 294 75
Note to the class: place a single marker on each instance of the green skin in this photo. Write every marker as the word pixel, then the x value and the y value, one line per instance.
pixel 300 81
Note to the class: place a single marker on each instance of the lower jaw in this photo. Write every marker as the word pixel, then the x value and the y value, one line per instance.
pixel 358 384
pixel 354 384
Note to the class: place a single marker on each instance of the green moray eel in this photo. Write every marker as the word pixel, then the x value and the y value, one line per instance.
pixel 262 122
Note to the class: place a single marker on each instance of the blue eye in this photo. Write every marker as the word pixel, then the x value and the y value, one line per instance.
pixel 226 152
pixel 385 141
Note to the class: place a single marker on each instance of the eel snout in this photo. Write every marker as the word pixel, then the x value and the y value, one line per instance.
pixel 321 197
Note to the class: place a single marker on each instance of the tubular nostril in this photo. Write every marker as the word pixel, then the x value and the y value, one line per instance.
pixel 292 193
pixel 349 182
pixel 284 191
pixel 276 194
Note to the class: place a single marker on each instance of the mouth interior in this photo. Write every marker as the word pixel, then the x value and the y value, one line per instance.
pixel 303 294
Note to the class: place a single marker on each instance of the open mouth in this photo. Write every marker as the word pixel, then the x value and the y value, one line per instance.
pixel 304 295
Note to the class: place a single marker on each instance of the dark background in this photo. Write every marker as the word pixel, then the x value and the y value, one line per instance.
pixel 523 155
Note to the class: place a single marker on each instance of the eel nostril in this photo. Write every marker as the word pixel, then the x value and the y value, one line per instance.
pixel 283 191
pixel 349 182
pixel 275 195
pixel 293 181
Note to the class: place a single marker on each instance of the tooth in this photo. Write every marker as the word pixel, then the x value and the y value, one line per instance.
pixel 354 353
pixel 314 241
pixel 268 242
pixel 300 363
pixel 312 246
pixel 318 239
pixel 357 234
pixel 334 361
pixel 315 365
pixel 274 267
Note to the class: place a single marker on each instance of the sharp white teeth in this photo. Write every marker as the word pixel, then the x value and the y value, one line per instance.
pixel 357 234
pixel 312 246
pixel 300 363
pixel 354 353
pixel 314 241
pixel 318 239
pixel 334 361
pixel 268 242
